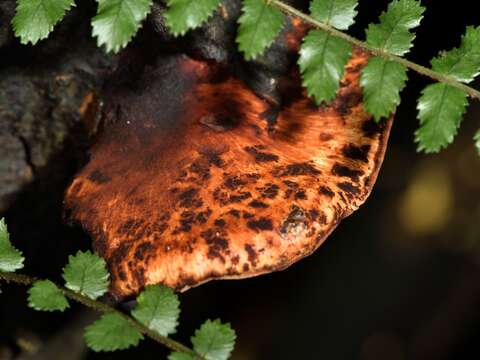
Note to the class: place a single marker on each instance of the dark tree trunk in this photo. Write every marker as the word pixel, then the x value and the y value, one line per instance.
pixel 47 98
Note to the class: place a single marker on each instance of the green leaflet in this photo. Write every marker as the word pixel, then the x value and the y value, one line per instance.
pixel 111 332
pixel 440 117
pixel 117 21
pixel 323 57
pixel 477 141
pixel 87 274
pixel 462 63
pixel 338 13
pixel 393 32
pixel 35 19
pixel 214 340
pixel 179 356
pixel 158 309
pixel 11 259
pixel 322 63
pixel 183 15
pixel 44 295
pixel 441 108
pixel 382 80
pixel 259 26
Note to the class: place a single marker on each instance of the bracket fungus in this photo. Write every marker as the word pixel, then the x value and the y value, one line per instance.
pixel 196 176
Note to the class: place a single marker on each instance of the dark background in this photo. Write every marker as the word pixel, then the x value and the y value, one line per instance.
pixel 399 279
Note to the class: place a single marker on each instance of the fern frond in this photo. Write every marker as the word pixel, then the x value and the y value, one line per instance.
pixel 441 107
pixel 323 57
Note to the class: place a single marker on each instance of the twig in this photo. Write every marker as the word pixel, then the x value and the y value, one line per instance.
pixel 289 10
pixel 104 308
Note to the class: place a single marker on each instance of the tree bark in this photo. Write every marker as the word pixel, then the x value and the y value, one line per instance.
pixel 48 99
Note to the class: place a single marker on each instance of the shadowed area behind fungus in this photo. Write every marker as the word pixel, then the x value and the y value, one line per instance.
pixel 191 181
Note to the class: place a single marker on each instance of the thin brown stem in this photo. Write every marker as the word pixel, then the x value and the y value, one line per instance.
pixel 289 10
pixel 104 308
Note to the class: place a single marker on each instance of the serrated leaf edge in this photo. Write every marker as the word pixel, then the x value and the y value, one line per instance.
pixel 49 29
pixel 115 49
pixel 182 33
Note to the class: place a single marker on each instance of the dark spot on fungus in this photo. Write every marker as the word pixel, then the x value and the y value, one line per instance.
pixel 271 115
pixel 260 224
pixel 142 250
pixel 187 248
pixel 187 219
pixel 291 184
pixel 235 260
pixel 188 199
pixel 298 169
pixel 253 177
pixel 101 245
pixel 300 195
pixel 325 137
pixel 344 171
pixel 322 219
pixel 261 156
pixel 234 213
pixel 211 156
pixel 220 196
pixel 220 223
pixel 295 220
pixel 238 198
pixel 201 168
pixel 313 214
pixel 183 174
pixel 247 215
pixel 370 128
pixel 98 177
pixel 129 227
pixel 121 252
pixel 217 245
pixel 203 216
pixel 216 160
pixel 269 191
pixel 258 204
pixel 349 188
pixel 252 255
pixel 186 281
pixel 288 193
pixel 354 152
pixel 164 217
pixel 324 190
pixel 345 101
pixel 219 122
pixel 139 275
pixel 234 182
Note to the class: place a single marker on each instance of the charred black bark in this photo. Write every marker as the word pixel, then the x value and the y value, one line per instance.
pixel 47 94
